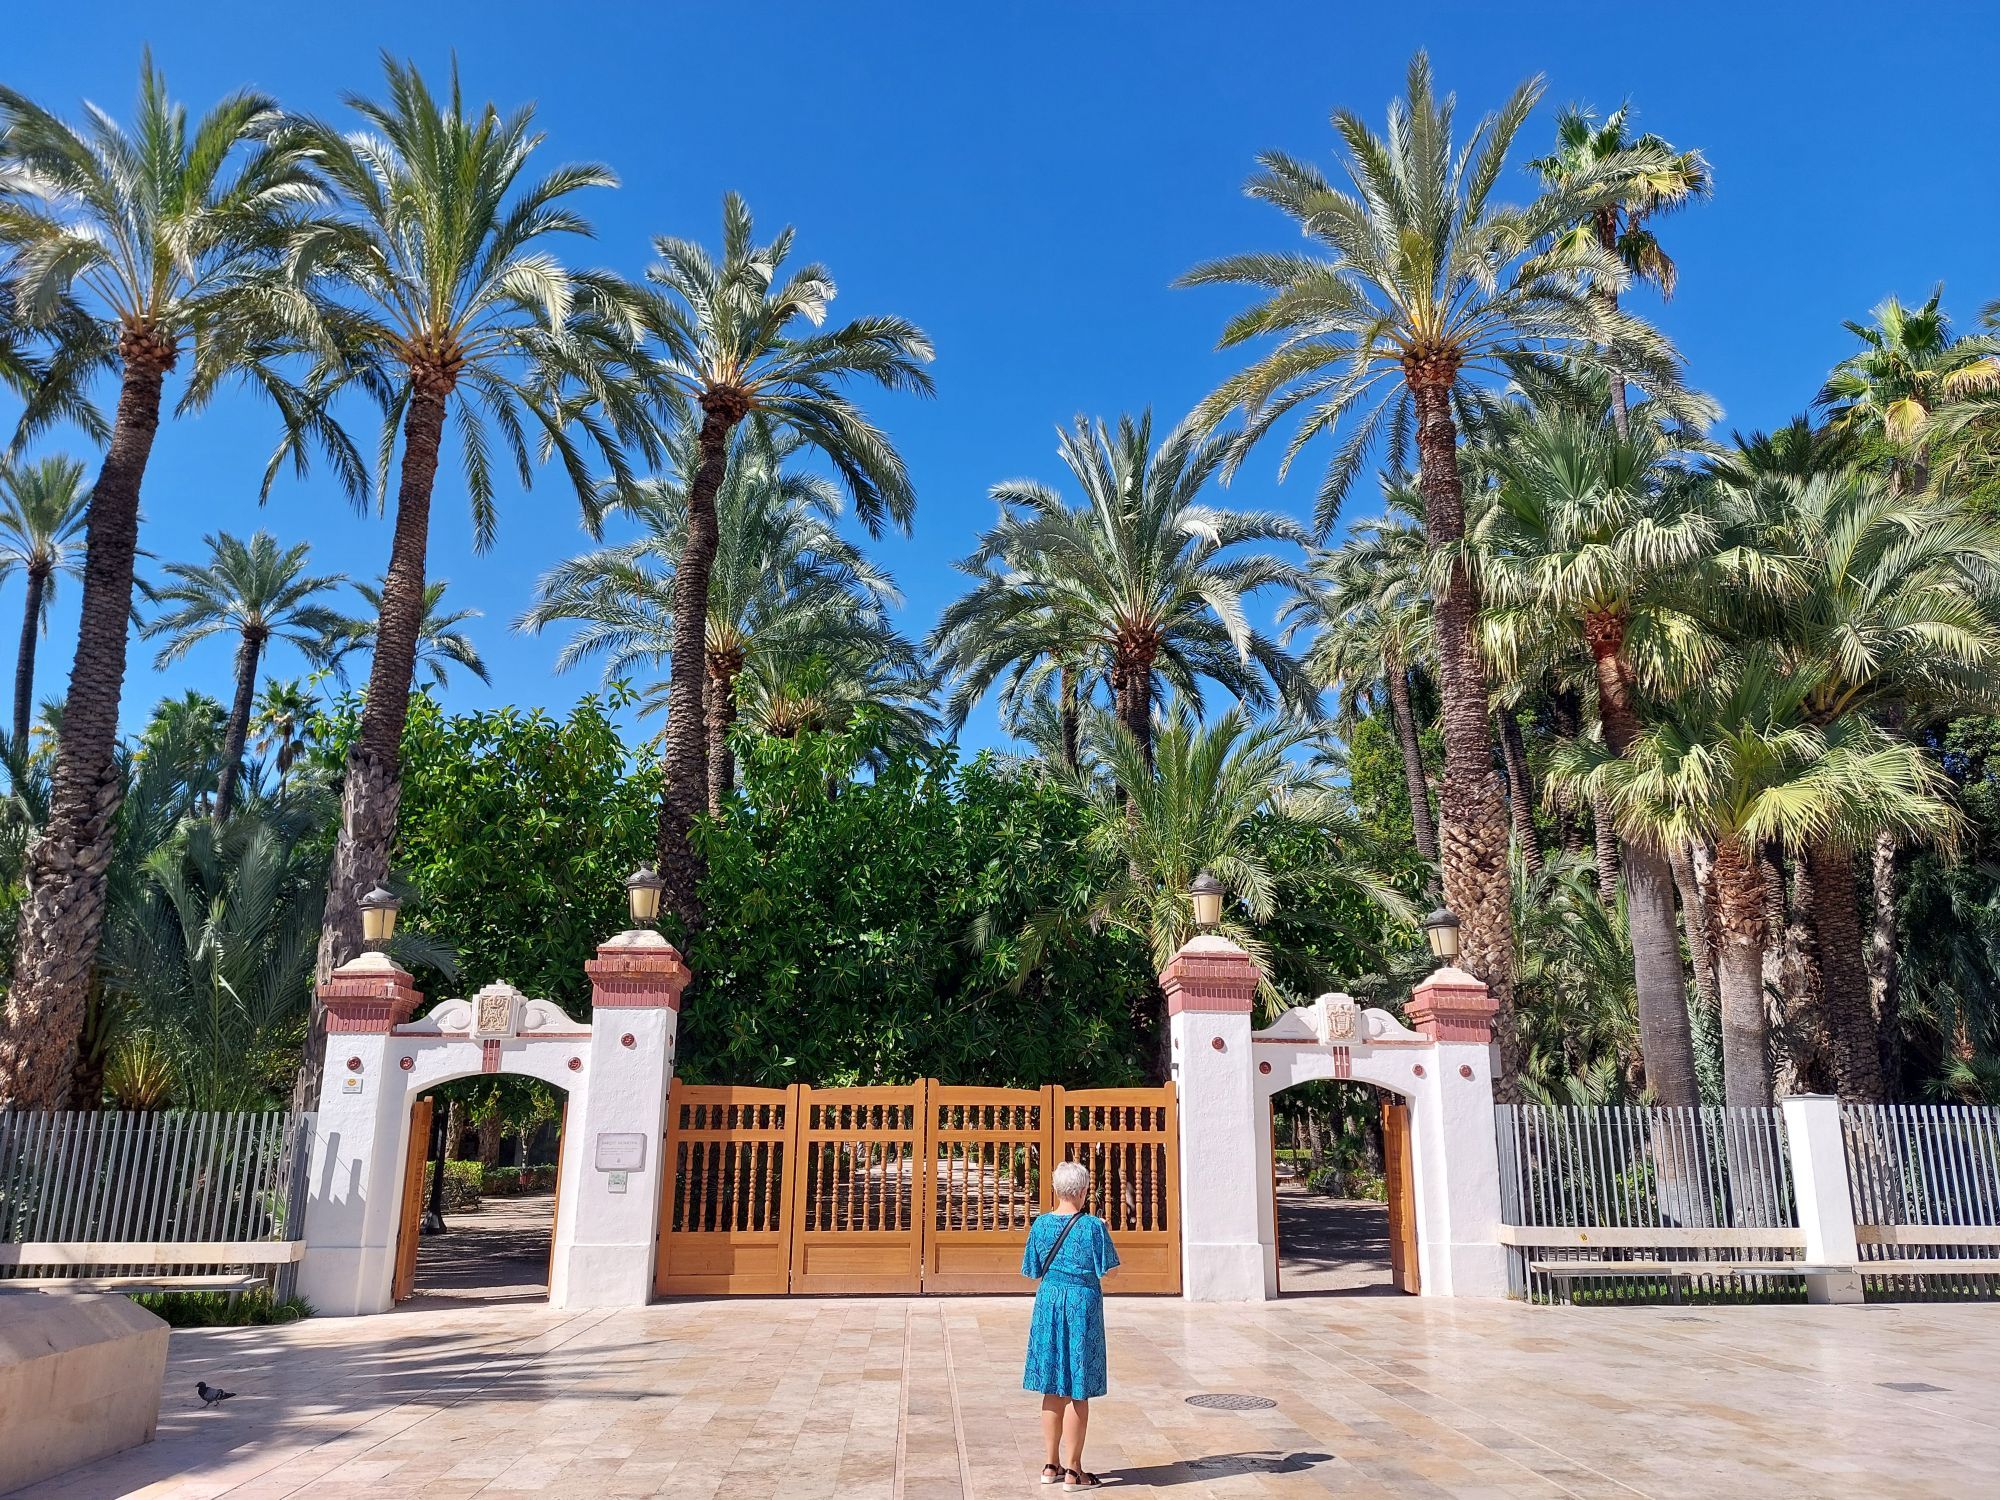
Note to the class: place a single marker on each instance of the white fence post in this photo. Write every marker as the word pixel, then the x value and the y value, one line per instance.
pixel 1826 1209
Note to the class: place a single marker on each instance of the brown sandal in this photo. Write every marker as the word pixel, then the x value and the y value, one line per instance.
pixel 1078 1479
pixel 1053 1473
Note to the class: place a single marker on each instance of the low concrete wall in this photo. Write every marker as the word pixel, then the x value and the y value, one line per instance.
pixel 80 1377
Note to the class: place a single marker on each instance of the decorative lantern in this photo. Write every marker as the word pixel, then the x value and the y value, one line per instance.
pixel 1441 932
pixel 1207 894
pixel 642 895
pixel 378 918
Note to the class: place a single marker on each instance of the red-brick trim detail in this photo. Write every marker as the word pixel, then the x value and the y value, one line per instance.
pixel 489 1056
pixel 637 978
pixel 1216 980
pixel 377 1003
pixel 1452 1006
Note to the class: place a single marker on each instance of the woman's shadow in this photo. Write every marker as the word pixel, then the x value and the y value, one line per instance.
pixel 1215 1466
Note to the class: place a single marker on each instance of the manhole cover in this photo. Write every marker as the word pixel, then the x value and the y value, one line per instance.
pixel 1226 1402
pixel 1911 1387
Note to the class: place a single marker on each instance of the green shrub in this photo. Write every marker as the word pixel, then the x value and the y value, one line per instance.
pixel 504 1181
pixel 464 1181
pixel 219 1310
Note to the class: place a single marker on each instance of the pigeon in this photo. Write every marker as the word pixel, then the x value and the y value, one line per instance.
pixel 211 1395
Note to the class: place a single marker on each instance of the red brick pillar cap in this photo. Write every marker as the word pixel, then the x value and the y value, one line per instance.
pixel 1210 973
pixel 1453 1006
pixel 637 970
pixel 372 993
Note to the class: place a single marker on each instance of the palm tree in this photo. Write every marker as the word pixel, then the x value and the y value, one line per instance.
pixel 1426 284
pixel 783 580
pixel 166 238
pixel 283 724
pixel 440 643
pixel 735 342
pixel 803 686
pixel 1591 534
pixel 43 510
pixel 1885 603
pixel 259 593
pixel 1141 584
pixel 49 363
pixel 1660 179
pixel 453 309
pixel 1740 760
pixel 1367 606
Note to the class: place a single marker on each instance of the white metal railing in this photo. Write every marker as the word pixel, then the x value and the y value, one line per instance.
pixel 100 1193
pixel 1924 1186
pixel 1633 1203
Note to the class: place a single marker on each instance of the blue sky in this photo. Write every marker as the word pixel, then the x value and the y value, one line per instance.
pixel 1025 181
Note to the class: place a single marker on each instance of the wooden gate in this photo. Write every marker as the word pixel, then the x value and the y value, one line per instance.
pixel 1399 1183
pixel 725 1222
pixel 416 1157
pixel 924 1188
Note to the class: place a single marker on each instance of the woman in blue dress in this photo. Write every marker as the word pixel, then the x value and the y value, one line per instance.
pixel 1068 1251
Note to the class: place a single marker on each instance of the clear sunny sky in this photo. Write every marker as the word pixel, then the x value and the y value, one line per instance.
pixel 1025 182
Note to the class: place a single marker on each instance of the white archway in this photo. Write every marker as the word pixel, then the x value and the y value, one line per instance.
pixel 615 1069
pixel 1226 1074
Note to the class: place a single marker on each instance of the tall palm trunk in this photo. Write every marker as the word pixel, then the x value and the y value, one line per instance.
pixel 1695 925
pixel 1072 719
pixel 1132 690
pixel 248 650
pixel 1520 791
pixel 1665 1036
pixel 684 796
pixel 720 716
pixel 1568 720
pixel 1473 836
pixel 1884 965
pixel 24 659
pixel 1741 899
pixel 372 786
pixel 63 916
pixel 1415 783
pixel 1850 1025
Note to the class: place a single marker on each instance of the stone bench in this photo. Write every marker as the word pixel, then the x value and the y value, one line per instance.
pixel 80 1378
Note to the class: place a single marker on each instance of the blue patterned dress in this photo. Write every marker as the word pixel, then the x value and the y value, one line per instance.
pixel 1066 1334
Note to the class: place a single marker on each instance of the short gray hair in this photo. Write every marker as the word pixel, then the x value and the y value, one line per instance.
pixel 1071 1181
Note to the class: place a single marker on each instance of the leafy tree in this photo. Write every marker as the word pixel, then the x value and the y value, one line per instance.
pixel 43 508
pixel 1425 285
pixel 452 307
pixel 869 929
pixel 159 240
pixel 737 343
pixel 1143 580
pixel 261 594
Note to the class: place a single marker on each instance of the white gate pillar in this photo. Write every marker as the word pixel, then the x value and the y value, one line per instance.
pixel 354 1177
pixel 611 1166
pixel 1210 986
pixel 1818 1150
pixel 1454 1152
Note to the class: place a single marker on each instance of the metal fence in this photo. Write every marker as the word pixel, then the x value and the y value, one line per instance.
pixel 137 1179
pixel 1649 1189
pixel 1917 1174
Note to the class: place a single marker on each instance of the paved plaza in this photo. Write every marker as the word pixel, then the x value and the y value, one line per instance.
pixel 1374 1396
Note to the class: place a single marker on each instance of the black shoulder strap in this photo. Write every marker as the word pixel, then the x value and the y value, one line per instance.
pixel 1050 1259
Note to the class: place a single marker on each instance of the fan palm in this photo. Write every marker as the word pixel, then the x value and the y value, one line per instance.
pixel 260 594
pixel 783 579
pixel 284 718
pixel 1141 584
pixel 440 643
pixel 1590 534
pixel 1740 760
pixel 1367 606
pixel 162 240
pixel 1425 286
pixel 453 309
pixel 43 510
pixel 1660 179
pixel 1886 604
pixel 735 341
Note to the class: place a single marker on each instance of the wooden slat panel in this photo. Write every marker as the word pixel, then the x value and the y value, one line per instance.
pixel 411 1224
pixel 986 1157
pixel 726 1191
pixel 1400 1182
pixel 861 1179
pixel 1130 1140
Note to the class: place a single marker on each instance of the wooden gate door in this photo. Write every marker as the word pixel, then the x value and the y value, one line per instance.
pixel 1130 1140
pixel 1400 1181
pixel 415 1157
pixel 725 1219
pixel 986 1162
pixel 861 1177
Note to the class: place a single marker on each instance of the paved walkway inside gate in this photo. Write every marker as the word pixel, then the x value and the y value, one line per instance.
pixel 802 1398
pixel 500 1253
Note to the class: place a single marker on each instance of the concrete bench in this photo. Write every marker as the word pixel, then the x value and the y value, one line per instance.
pixel 157 1259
